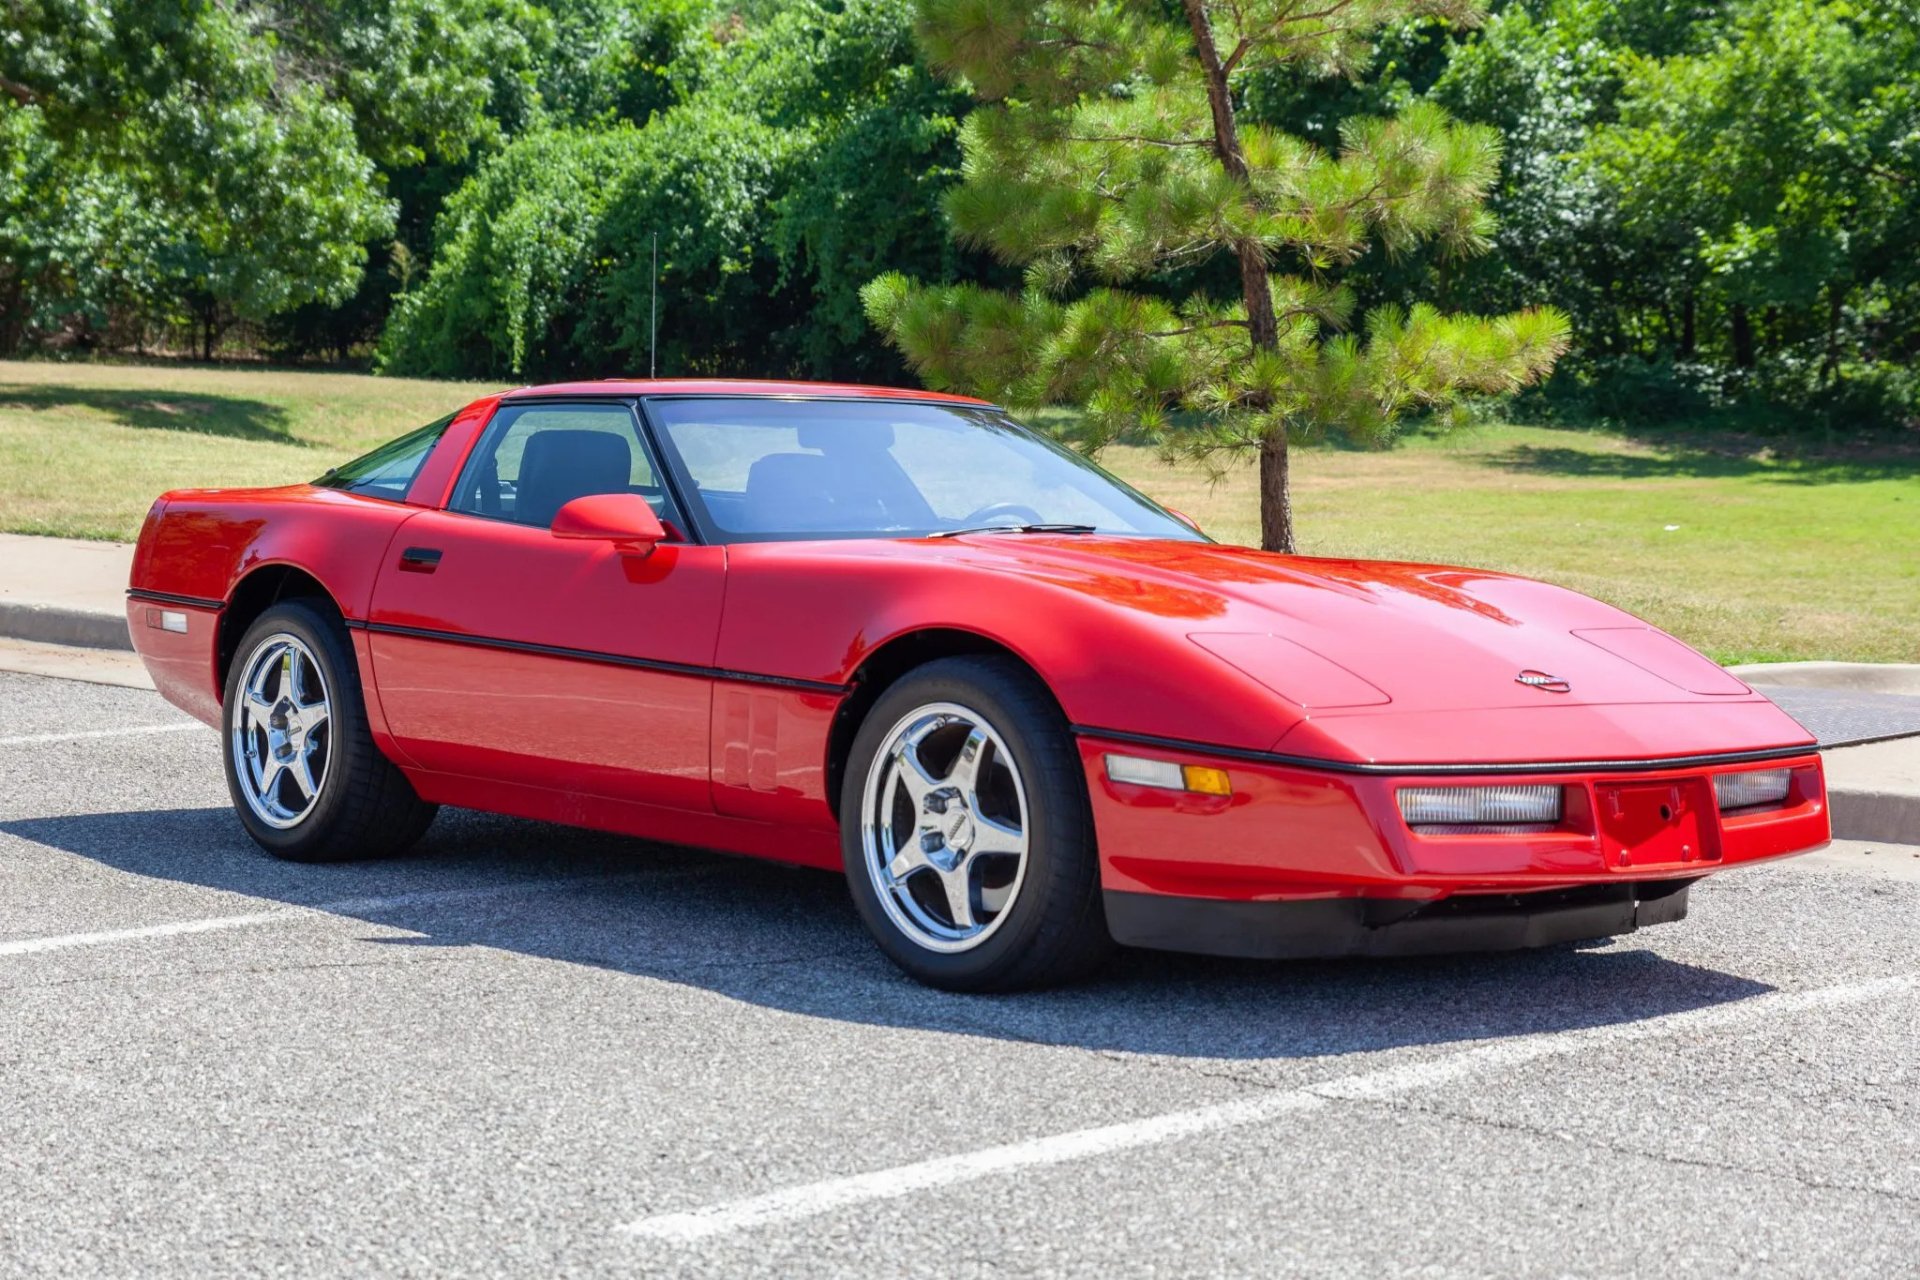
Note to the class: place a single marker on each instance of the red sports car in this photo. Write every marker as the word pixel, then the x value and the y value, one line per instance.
pixel 1027 710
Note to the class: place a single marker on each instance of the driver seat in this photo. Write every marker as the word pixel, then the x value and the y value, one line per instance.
pixel 558 466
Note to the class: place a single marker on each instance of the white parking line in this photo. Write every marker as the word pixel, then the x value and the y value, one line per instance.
pixel 30 946
pixel 292 914
pixel 816 1198
pixel 32 738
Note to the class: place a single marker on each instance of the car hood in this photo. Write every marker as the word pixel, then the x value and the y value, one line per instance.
pixel 1344 641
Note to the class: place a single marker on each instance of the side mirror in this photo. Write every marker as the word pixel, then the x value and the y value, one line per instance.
pixel 622 518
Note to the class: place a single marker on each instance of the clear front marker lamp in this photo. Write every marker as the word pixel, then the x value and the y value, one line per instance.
pixel 1168 776
pixel 1480 810
pixel 1752 788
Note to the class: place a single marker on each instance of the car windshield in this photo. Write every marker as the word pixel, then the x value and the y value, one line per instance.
pixel 767 470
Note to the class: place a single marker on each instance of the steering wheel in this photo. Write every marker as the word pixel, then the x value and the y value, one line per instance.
pixel 985 515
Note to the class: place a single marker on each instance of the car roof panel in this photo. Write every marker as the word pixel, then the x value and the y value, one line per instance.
pixel 734 387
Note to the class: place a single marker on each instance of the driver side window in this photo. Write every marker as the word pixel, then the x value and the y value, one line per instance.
pixel 536 458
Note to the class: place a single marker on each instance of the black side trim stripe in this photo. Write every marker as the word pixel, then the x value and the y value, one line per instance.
pixel 1532 766
pixel 594 655
pixel 167 597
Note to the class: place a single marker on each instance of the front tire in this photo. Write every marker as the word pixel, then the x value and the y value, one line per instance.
pixel 307 781
pixel 966 833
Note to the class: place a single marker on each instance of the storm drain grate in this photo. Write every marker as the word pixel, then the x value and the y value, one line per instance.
pixel 1845 717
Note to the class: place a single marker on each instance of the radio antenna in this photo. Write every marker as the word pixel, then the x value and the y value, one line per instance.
pixel 653 314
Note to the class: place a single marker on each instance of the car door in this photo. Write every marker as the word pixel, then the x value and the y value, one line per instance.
pixel 501 651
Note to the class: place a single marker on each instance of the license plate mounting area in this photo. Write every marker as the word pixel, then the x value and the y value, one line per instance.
pixel 1656 824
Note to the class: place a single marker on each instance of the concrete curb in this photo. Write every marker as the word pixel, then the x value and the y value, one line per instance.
pixel 1888 817
pixel 60 624
pixel 1873 791
pixel 1863 677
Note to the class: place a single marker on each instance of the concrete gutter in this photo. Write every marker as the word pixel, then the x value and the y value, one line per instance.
pixel 68 662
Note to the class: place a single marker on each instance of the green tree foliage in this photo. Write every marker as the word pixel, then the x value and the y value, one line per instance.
pixel 703 184
pixel 511 259
pixel 1110 153
pixel 1545 78
pixel 544 261
pixel 809 154
pixel 867 201
pixel 880 149
pixel 1721 194
pixel 1775 171
pixel 422 79
pixel 54 216
pixel 601 62
pixel 242 137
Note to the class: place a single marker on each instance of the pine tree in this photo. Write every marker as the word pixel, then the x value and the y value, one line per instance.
pixel 1107 153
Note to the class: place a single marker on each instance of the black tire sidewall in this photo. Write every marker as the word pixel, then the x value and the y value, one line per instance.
pixel 327 640
pixel 1060 851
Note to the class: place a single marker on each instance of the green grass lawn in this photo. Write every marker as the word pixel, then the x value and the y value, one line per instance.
pixel 1749 556
pixel 85 448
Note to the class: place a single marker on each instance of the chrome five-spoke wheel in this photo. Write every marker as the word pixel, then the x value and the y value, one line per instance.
pixel 965 829
pixel 280 731
pixel 945 828
pixel 307 779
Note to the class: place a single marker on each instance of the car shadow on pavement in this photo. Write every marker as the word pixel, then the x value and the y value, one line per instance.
pixel 788 939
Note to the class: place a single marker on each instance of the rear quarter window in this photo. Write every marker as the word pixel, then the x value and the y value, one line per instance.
pixel 388 471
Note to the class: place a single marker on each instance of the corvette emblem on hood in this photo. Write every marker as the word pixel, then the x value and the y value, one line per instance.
pixel 1541 680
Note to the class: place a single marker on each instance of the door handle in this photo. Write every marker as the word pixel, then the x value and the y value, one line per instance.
pixel 419 560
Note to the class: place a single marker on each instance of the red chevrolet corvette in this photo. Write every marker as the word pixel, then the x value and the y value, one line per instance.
pixel 1028 711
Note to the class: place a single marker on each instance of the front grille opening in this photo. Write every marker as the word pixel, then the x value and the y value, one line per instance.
pixel 1470 905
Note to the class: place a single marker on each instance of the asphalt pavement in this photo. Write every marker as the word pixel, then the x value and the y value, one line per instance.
pixel 533 1051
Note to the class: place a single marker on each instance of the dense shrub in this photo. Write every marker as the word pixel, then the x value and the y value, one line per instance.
pixel 811 158
pixel 510 260
pixel 702 179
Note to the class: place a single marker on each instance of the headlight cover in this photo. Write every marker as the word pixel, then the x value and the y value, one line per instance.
pixel 1481 810
pixel 1751 788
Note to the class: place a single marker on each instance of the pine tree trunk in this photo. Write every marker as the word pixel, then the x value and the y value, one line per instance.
pixel 1263 329
pixel 1276 499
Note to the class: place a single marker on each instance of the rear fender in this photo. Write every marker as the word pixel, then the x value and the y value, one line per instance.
pixel 199 545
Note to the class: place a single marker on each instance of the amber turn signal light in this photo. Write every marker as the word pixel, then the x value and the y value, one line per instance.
pixel 1168 776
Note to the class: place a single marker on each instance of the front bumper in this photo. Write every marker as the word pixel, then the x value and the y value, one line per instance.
pixel 1334 840
pixel 1328 927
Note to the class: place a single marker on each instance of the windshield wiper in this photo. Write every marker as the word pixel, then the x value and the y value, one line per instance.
pixel 1017 528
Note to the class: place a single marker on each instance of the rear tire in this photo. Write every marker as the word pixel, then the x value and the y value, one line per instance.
pixel 966 833
pixel 307 781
